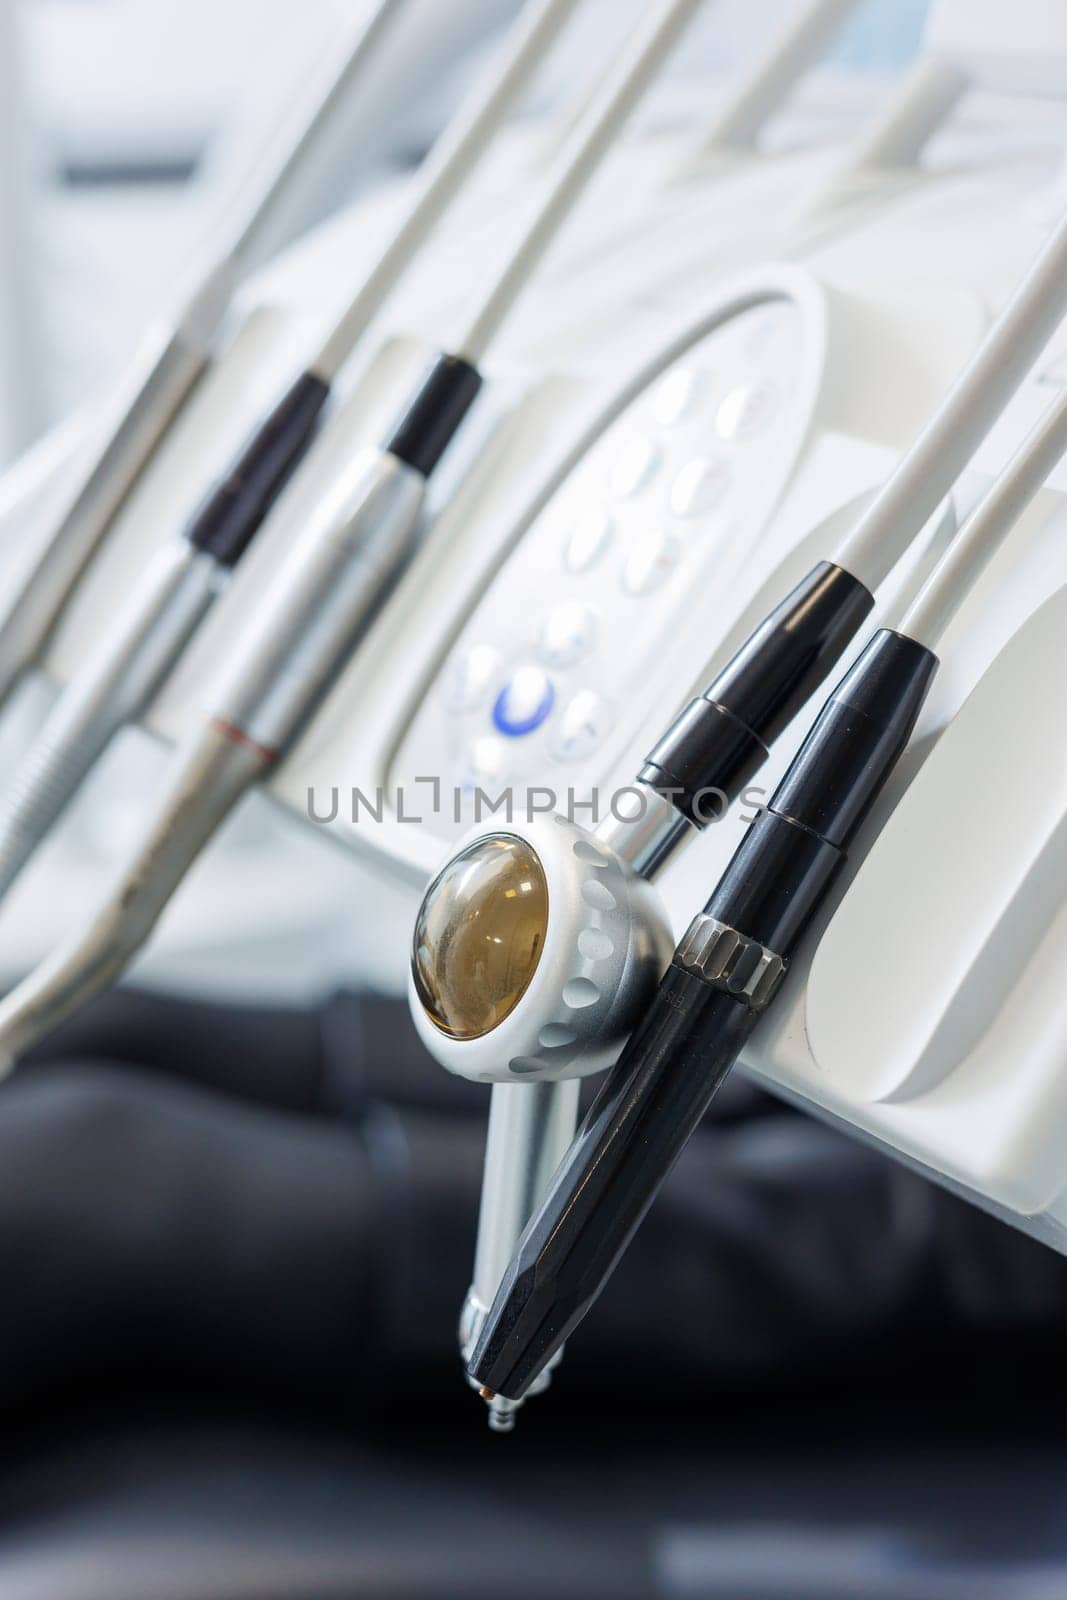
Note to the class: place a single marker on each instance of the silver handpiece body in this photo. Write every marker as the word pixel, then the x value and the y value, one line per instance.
pixel 319 599
pixel 139 650
pixel 531 1125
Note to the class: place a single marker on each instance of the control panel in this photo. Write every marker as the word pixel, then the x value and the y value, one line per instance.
pixel 614 574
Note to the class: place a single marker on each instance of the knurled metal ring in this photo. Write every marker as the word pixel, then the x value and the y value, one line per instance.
pixel 725 958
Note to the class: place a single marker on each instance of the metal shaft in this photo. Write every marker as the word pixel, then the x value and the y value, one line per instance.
pixel 321 596
pixel 114 688
pixel 291 649
pixel 531 1126
pixel 213 771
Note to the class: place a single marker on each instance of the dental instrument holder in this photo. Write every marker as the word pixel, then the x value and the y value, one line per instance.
pixel 952 1111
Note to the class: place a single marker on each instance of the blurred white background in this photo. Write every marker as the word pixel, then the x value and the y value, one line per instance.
pixel 124 121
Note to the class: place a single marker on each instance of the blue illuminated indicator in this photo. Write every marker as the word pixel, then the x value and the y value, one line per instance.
pixel 524 703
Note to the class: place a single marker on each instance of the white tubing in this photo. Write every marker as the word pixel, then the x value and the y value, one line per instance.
pixel 577 163
pixel 947 443
pixel 986 528
pixel 922 103
pixel 445 169
pixel 283 167
pixel 799 44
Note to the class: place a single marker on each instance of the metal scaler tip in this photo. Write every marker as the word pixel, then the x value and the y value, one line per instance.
pixel 501 1412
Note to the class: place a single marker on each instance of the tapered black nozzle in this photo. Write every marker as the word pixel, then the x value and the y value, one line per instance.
pixel 634 1132
pixel 522 1341
pixel 721 739
pixel 231 515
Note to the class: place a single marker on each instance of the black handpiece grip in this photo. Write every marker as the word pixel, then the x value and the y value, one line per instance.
pixel 230 516
pixel 857 738
pixel 724 973
pixel 635 1130
pixel 719 740
pixel 432 418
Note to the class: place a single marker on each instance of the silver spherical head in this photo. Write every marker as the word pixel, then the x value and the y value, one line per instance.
pixel 535 951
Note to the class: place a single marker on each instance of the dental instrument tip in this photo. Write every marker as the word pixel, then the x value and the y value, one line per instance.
pixel 502 1414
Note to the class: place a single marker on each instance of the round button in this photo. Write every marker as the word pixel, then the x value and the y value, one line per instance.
pixel 676 395
pixel 568 634
pixel 746 411
pixel 524 702
pixel 650 561
pixel 583 725
pixel 699 487
pixel 588 540
pixel 632 466
pixel 466 678
pixel 485 763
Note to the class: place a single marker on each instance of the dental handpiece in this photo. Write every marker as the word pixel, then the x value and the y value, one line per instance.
pixel 141 647
pixel 730 964
pixel 172 359
pixel 284 660
pixel 553 923
pixel 168 603
pixel 325 591
pixel 538 945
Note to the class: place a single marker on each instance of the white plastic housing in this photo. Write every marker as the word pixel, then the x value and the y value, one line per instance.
pixel 962 1065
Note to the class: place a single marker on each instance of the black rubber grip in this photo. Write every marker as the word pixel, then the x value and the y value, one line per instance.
pixel 722 738
pixel 232 513
pixel 857 739
pixel 780 873
pixel 705 752
pixel 433 416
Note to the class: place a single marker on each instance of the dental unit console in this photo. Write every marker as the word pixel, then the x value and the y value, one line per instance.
pixel 700 498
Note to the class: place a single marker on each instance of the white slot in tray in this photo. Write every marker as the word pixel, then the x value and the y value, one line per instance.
pixel 932 1012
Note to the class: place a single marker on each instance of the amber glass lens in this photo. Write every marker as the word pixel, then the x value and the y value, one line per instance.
pixel 479 935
